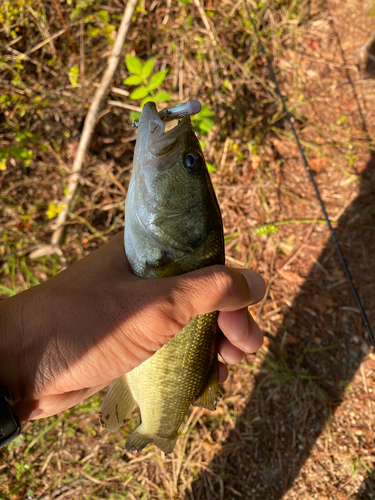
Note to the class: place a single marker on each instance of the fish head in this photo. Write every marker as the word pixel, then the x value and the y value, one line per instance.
pixel 170 193
pixel 169 166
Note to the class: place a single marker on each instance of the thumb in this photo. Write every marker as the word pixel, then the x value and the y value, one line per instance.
pixel 210 289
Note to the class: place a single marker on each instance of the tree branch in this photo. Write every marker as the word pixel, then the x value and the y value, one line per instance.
pixel 88 128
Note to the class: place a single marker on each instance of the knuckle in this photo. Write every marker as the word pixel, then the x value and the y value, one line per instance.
pixel 174 309
pixel 224 283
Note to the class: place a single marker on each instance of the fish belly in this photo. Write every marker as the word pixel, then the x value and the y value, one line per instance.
pixel 166 384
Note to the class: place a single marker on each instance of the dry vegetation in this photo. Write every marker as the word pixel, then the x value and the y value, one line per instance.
pixel 297 418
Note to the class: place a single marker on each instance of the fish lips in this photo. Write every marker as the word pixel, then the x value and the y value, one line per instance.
pixel 151 132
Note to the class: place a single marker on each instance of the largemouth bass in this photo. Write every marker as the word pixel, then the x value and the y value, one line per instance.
pixel 173 225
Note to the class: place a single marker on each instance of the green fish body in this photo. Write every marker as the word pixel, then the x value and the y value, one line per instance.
pixel 173 225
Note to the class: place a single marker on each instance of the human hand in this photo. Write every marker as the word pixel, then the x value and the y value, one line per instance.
pixel 69 337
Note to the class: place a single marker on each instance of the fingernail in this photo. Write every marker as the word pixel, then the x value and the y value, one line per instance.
pixel 256 283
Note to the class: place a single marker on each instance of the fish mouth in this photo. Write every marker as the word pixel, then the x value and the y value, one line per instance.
pixel 151 130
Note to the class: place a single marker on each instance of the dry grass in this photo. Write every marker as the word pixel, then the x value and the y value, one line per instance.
pixel 297 418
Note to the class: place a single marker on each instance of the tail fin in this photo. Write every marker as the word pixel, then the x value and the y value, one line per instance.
pixel 138 440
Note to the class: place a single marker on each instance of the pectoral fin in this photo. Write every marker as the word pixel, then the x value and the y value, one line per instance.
pixel 207 398
pixel 117 405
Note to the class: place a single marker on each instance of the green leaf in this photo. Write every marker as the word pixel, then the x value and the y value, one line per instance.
pixel 148 67
pixel 73 75
pixel 3 158
pixel 206 112
pixel 4 99
pixel 266 229
pixel 162 97
pixel 132 80
pixel 210 167
pixel 134 64
pixel 103 15
pixel 134 115
pixel 25 155
pixel 75 13
pixel 108 30
pixel 53 210
pixel 93 32
pixel 146 99
pixel 20 137
pixel 206 125
pixel 139 93
pixel 157 79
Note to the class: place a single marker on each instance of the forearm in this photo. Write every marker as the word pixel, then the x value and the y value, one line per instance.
pixel 40 343
pixel 12 337
pixel 19 348
pixel 54 336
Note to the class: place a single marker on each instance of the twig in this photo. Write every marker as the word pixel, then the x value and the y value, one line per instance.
pixel 37 63
pixel 206 22
pixel 67 30
pixel 89 127
pixel 120 104
pixel 82 52
pixel 116 90
pixel 166 17
pixel 16 40
pixel 8 28
pixel 44 42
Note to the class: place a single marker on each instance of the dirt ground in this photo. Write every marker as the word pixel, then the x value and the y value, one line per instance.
pixel 297 418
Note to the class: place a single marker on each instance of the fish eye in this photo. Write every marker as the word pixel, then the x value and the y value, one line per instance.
pixel 193 161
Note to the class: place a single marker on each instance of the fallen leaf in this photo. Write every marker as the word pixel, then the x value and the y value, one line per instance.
pixel 337 273
pixel 322 303
pixel 313 44
pixel 370 363
pixel 266 341
pixel 286 245
pixel 292 277
pixel 292 339
pixel 255 161
pixel 318 163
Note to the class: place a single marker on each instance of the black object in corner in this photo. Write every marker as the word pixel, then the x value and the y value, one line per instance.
pixel 9 424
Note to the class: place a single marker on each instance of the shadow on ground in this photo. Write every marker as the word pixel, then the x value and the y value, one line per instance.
pixel 300 388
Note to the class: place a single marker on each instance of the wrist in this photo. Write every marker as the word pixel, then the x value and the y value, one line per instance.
pixel 9 423
pixel 9 337
pixel 15 340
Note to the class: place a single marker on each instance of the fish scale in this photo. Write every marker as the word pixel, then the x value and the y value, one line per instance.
pixel 195 348
pixel 173 225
